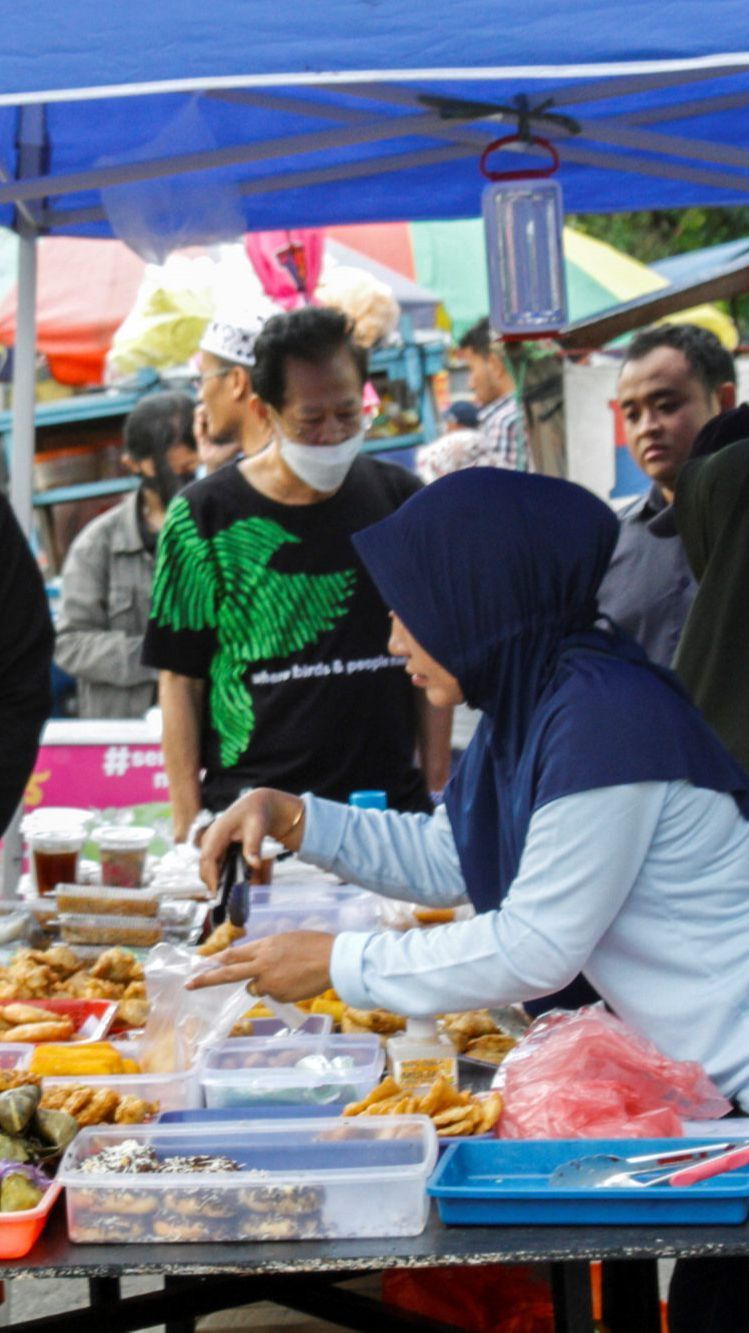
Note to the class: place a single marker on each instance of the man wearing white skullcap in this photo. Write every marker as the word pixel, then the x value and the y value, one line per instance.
pixel 227 425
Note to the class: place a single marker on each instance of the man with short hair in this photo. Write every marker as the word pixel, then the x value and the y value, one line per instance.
pixel 106 577
pixel 499 439
pixel 270 637
pixel 675 377
pixel 227 424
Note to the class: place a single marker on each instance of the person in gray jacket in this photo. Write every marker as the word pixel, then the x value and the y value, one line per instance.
pixel 106 577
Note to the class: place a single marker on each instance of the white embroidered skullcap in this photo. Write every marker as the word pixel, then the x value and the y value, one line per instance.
pixel 232 342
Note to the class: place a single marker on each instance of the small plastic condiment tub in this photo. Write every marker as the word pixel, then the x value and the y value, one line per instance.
pixel 98 900
pixel 275 909
pixel 128 931
pixel 19 1231
pixel 248 1071
pixel 169 1091
pixel 298 1180
pixel 122 853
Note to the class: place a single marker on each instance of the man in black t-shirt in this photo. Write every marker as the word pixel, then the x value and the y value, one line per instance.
pixel 270 638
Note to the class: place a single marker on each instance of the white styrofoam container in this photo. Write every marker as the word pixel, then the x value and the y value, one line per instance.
pixel 251 1071
pixel 319 1179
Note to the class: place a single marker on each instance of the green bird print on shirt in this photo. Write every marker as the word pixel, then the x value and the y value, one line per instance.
pixel 224 583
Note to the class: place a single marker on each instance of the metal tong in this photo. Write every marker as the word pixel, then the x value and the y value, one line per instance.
pixel 606 1170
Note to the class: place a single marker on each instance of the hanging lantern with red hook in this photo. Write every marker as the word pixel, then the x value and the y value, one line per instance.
pixel 523 221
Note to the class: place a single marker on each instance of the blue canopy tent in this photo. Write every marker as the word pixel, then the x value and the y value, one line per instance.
pixel 178 122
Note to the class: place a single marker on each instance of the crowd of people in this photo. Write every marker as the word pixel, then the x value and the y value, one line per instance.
pixel 310 616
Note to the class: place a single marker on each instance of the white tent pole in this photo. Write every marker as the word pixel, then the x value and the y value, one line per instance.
pixel 24 382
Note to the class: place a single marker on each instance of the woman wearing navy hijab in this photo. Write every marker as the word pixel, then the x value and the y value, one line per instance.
pixel 596 822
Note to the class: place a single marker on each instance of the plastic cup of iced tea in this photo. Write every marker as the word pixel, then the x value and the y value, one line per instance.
pixel 54 856
pixel 122 854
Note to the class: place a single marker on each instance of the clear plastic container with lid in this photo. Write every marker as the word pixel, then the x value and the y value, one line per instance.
pixel 297 1180
pixel 303 1069
pixel 275 909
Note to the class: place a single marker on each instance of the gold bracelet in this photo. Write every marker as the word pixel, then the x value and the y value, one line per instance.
pixel 296 820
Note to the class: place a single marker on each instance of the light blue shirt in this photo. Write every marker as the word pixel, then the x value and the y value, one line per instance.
pixel 643 887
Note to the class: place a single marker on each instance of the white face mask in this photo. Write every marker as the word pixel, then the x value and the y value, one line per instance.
pixel 324 467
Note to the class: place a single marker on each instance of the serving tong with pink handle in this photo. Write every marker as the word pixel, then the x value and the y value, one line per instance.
pixel 689 1165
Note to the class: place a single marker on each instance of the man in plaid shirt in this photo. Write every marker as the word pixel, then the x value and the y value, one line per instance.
pixel 499 440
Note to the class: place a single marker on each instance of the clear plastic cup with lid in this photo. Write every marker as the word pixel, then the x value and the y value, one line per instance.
pixel 122 854
pixel 55 836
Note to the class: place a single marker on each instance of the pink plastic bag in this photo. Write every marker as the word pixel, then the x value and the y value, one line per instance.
pixel 587 1075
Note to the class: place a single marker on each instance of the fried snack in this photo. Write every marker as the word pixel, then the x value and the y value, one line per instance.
pixel 135 990
pixel 380 1021
pixel 15 1013
pixel 98 1106
pixel 117 964
pixel 454 1114
pixel 132 1013
pixel 220 938
pixel 462 1028
pixel 134 1110
pixel 387 1088
pixel 61 1029
pixel 492 1047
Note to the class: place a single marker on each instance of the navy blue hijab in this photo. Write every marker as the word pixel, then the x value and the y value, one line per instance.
pixel 495 574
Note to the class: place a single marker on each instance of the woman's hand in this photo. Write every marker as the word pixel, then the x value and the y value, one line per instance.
pixel 261 813
pixel 294 966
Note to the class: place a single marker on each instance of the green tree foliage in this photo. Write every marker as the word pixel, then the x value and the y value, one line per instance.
pixel 654 235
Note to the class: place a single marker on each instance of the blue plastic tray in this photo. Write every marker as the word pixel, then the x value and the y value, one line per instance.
pixel 500 1181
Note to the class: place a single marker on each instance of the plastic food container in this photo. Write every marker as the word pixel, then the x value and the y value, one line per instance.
pixel 277 908
pixel 299 1070
pixel 171 1092
pixel 129 931
pixel 314 1025
pixel 15 1055
pixel 92 1018
pixel 182 919
pixel 19 1231
pixel 96 900
pixel 122 853
pixel 298 1180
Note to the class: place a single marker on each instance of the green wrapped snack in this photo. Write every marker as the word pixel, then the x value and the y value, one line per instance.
pixel 56 1129
pixel 21 1187
pixel 17 1106
pixel 13 1150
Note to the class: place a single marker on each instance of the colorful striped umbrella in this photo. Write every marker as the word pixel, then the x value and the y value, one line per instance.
pixel 449 259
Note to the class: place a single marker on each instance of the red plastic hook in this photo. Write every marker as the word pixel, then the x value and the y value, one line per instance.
pixel 537 173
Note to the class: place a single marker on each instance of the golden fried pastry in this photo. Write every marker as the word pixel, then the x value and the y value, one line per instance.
pixel 114 964
pixel 454 1114
pixel 62 959
pixel 135 990
pixel 134 1110
pixel 15 1013
pixel 220 938
pixel 380 1021
pixel 464 1027
pixel 61 1029
pixel 133 1013
pixel 101 1109
pixel 493 1047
